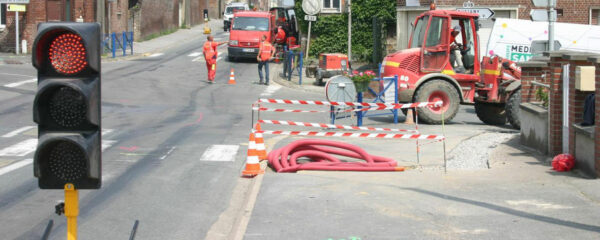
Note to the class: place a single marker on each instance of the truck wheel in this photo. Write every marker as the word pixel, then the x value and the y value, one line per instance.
pixel 433 91
pixel 491 113
pixel 512 109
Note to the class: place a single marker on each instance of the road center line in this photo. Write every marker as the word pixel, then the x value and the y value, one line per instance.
pixel 16 84
pixel 16 132
pixel 15 166
pixel 220 153
pixel 169 152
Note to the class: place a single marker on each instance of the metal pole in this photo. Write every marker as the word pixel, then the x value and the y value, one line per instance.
pixel 71 210
pixel 349 30
pixel 308 40
pixel 17 33
pixel 551 20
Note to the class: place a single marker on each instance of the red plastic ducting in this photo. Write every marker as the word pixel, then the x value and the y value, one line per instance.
pixel 320 152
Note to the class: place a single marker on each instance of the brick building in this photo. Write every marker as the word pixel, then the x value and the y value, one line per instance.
pixel 144 18
pixel 571 11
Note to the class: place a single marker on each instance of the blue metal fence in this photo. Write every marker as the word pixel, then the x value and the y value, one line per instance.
pixel 113 42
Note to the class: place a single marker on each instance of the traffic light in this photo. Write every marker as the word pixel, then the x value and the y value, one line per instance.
pixel 67 105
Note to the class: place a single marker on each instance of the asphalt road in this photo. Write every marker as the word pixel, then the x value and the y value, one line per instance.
pixel 172 148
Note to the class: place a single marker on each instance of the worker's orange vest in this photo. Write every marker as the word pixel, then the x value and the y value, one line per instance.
pixel 280 37
pixel 265 51
pixel 209 52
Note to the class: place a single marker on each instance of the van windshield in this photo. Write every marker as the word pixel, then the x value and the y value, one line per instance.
pixel 251 24
pixel 230 10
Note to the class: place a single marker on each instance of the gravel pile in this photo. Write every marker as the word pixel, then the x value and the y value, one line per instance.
pixel 474 152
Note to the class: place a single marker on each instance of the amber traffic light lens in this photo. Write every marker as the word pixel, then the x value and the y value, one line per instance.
pixel 67 54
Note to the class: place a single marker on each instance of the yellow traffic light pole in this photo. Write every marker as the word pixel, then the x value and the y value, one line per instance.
pixel 71 210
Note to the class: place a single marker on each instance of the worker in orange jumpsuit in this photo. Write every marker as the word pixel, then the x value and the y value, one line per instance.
pixel 210 56
pixel 265 54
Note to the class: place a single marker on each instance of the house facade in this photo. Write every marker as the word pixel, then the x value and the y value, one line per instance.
pixel 145 18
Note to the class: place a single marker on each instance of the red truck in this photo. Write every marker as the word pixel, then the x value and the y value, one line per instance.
pixel 246 30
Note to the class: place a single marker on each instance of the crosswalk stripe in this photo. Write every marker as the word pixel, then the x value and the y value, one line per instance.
pixel 201 59
pixel 107 143
pixel 194 54
pixel 16 84
pixel 220 153
pixel 20 149
pixel 106 131
pixel 15 166
pixel 270 90
pixel 16 132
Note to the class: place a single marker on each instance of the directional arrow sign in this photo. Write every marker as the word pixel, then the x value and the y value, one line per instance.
pixel 484 13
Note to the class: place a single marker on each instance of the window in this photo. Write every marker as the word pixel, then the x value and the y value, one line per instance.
pixel 419 33
pixel 2 15
pixel 331 6
pixel 437 32
pixel 251 24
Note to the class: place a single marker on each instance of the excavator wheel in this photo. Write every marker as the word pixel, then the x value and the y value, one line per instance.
pixel 433 91
pixel 512 109
pixel 491 113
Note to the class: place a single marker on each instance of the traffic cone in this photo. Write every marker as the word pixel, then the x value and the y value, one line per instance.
pixel 231 77
pixel 409 117
pixel 260 144
pixel 252 161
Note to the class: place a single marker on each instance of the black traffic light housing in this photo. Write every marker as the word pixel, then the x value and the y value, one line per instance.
pixel 67 105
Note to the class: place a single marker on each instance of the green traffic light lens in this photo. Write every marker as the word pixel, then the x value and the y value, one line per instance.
pixel 67 54
pixel 67 107
pixel 67 161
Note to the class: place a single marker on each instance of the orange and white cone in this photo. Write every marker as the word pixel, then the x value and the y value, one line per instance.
pixel 252 161
pixel 261 149
pixel 409 117
pixel 231 77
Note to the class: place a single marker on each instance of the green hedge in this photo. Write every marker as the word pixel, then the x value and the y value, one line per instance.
pixel 330 32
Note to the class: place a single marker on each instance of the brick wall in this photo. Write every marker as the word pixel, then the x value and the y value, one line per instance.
pixel 555 106
pixel 574 11
pixel 529 74
pixel 36 13
pixel 158 15
pixel 119 16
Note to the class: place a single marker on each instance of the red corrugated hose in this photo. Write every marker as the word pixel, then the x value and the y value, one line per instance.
pixel 320 152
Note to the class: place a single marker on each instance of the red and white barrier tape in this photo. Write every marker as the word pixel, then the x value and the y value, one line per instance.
pixel 323 125
pixel 356 135
pixel 354 104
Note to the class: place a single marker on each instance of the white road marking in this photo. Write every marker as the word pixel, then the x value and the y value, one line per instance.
pixel 169 152
pixel 270 90
pixel 20 149
pixel 156 55
pixel 15 166
pixel 16 84
pixel 13 74
pixel 16 132
pixel 106 131
pixel 201 59
pixel 107 143
pixel 195 54
pixel 220 153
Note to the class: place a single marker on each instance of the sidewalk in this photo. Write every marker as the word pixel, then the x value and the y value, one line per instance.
pixel 140 49
pixel 494 189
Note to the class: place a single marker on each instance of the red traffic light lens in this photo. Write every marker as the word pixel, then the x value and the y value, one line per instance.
pixel 67 54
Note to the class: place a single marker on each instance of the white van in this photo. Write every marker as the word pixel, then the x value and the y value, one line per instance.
pixel 228 13
pixel 512 38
